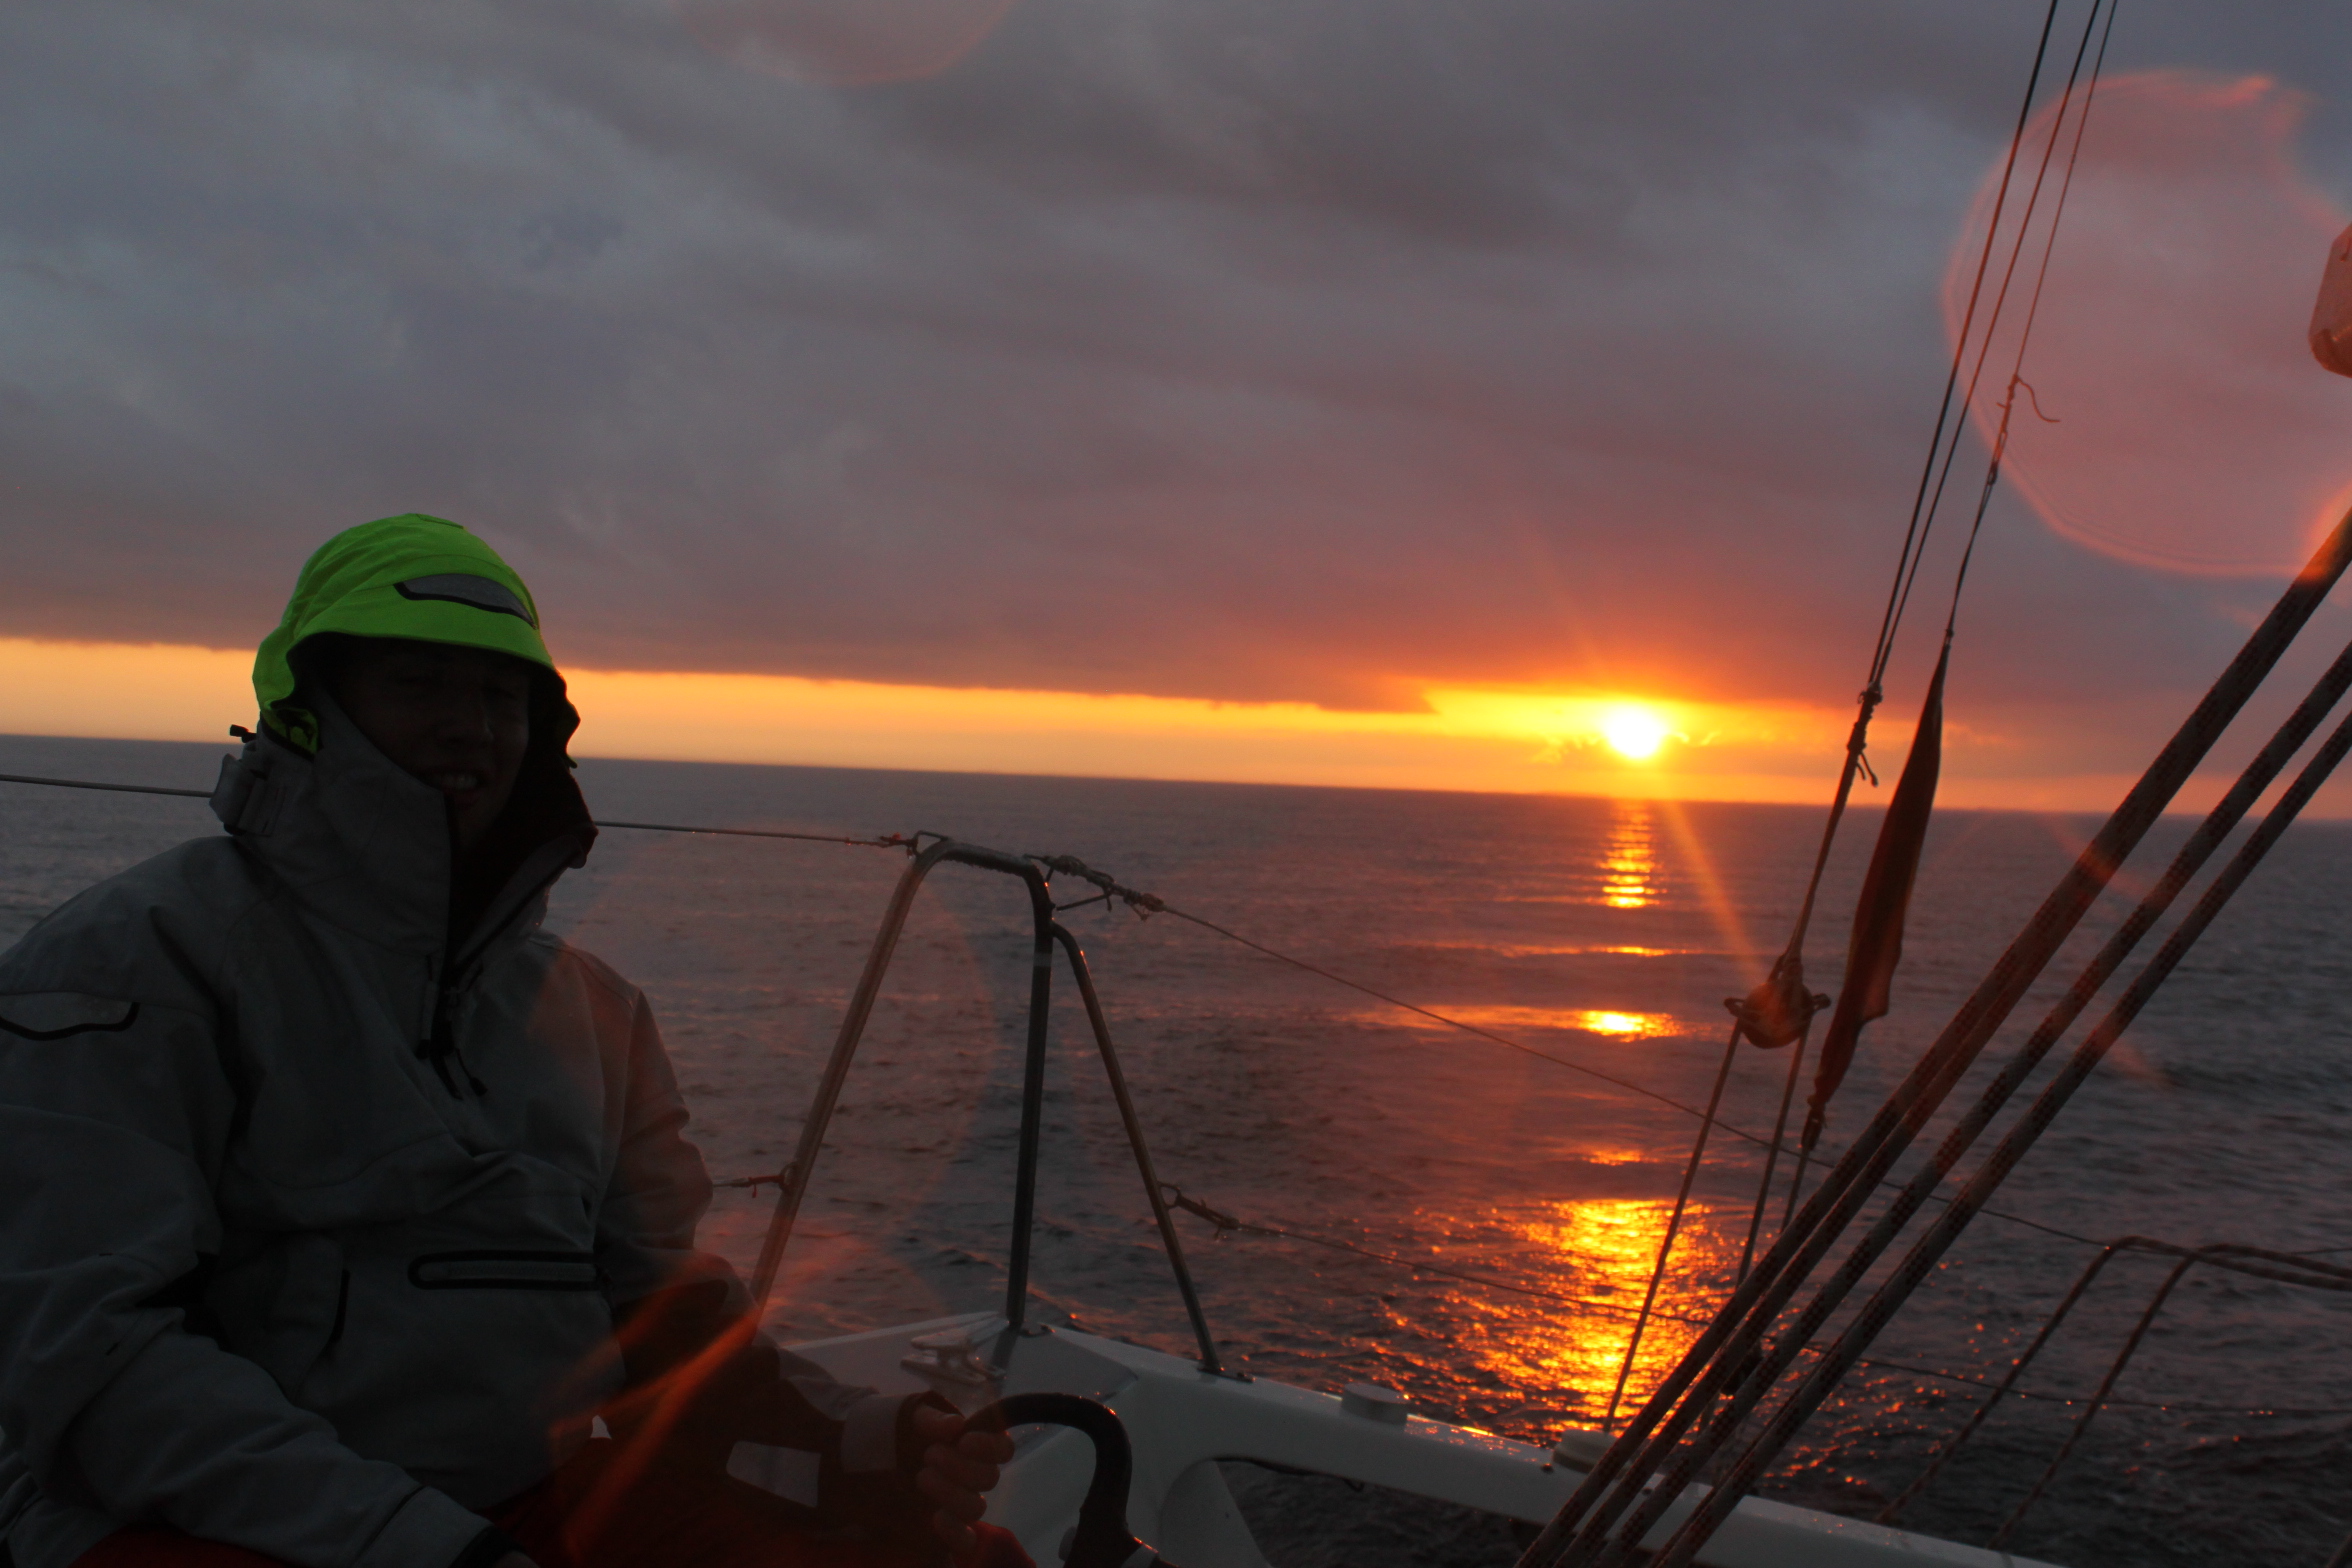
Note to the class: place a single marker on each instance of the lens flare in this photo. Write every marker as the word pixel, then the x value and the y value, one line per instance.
pixel 2170 413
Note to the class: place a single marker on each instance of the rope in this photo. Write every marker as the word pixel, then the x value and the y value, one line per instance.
pixel 1788 1096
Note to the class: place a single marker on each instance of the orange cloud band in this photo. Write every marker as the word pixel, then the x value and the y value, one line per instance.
pixel 1513 741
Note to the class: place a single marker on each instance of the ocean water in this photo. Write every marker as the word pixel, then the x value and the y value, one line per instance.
pixel 1601 933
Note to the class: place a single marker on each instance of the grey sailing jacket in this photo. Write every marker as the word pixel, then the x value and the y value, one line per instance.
pixel 313 1221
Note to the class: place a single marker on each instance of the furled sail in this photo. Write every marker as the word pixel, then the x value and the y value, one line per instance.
pixel 1876 946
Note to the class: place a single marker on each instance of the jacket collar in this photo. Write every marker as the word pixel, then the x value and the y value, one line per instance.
pixel 365 846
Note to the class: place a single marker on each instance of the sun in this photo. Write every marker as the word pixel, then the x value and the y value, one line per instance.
pixel 1634 733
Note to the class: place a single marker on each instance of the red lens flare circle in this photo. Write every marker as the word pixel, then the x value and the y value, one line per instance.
pixel 2194 434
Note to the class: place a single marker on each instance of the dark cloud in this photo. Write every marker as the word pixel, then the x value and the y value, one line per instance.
pixel 1215 348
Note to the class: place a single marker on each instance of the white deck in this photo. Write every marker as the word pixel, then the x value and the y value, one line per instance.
pixel 1182 1421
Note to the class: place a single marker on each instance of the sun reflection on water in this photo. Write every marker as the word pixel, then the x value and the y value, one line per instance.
pixel 1629 859
pixel 1620 1026
pixel 1601 1249
pixel 1609 1023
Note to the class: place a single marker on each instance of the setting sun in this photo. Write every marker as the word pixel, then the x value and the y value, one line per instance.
pixel 1634 733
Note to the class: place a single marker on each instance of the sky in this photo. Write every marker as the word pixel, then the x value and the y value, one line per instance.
pixel 1321 391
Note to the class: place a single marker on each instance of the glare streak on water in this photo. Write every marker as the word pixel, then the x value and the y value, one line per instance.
pixel 1607 933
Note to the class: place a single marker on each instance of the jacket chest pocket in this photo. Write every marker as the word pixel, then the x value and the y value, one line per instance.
pixel 505 1269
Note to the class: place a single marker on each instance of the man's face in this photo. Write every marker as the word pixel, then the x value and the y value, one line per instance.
pixel 457 718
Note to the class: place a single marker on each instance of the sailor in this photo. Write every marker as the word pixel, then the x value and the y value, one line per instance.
pixel 348 1218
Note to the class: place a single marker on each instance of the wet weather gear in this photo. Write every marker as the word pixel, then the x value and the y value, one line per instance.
pixel 410 576
pixel 323 1201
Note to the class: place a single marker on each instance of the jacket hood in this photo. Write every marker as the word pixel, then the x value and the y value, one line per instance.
pixel 413 576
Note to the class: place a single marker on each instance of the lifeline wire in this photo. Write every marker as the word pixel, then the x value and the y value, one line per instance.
pixel 118 789
pixel 1455 1023
pixel 1152 904
pixel 2289 1268
pixel 886 841
pixel 1225 1223
pixel 1140 901
pixel 1144 903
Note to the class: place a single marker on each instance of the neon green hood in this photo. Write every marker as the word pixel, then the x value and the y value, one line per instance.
pixel 423 578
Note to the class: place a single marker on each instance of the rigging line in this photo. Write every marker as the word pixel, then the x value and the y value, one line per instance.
pixel 2008 276
pixel 886 841
pixel 1226 1224
pixel 1140 901
pixel 1890 619
pixel 1772 1151
pixel 2033 307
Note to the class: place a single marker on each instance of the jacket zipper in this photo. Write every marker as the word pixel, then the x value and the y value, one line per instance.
pixel 439 1046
